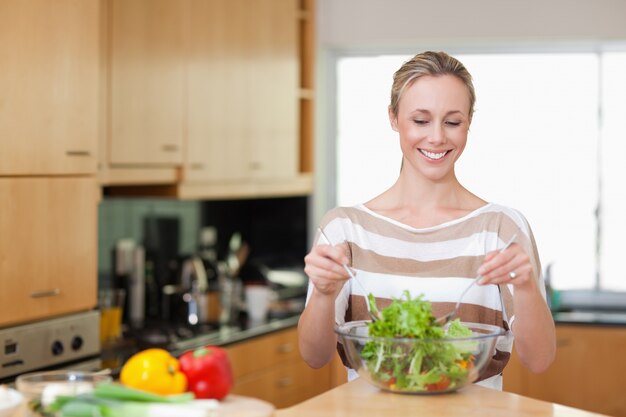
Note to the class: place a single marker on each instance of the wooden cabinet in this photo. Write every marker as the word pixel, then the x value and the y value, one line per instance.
pixel 147 82
pixel 49 66
pixel 215 148
pixel 48 246
pixel 223 75
pixel 242 101
pixel 306 38
pixel 588 371
pixel 270 368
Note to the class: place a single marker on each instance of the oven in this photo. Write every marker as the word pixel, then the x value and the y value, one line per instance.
pixel 65 342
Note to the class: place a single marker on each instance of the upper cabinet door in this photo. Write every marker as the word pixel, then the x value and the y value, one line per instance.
pixel 216 99
pixel 49 78
pixel 273 87
pixel 242 103
pixel 147 83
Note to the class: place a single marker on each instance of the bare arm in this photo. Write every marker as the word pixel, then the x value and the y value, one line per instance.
pixel 316 336
pixel 533 328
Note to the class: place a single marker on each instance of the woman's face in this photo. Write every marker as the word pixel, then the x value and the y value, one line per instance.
pixel 433 121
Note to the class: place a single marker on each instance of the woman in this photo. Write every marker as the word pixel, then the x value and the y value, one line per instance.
pixel 430 235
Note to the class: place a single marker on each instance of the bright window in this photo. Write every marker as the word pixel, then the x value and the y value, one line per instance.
pixel 536 143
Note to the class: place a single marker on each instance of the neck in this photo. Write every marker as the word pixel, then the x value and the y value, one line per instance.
pixel 416 191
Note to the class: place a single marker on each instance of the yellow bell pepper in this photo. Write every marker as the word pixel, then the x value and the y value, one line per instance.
pixel 154 370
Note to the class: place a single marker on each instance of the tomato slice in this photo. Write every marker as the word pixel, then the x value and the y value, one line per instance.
pixel 441 385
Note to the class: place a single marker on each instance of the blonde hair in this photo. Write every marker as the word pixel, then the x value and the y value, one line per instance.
pixel 434 64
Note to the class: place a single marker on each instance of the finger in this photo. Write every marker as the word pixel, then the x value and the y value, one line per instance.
pixel 502 275
pixel 336 253
pixel 322 261
pixel 324 268
pixel 493 261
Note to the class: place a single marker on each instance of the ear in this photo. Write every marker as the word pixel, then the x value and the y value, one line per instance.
pixel 393 120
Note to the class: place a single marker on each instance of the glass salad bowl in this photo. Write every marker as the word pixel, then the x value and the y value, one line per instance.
pixel 41 388
pixel 419 365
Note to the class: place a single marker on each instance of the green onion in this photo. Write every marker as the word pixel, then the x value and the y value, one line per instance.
pixel 117 391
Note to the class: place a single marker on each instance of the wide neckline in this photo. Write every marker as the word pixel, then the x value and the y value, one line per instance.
pixel 448 223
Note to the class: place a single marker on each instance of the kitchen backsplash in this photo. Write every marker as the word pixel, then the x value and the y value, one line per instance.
pixel 120 218
pixel 274 228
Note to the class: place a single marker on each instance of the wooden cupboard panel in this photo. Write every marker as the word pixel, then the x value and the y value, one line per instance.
pixel 48 246
pixel 263 352
pixel 216 113
pixel 147 82
pixel 242 102
pixel 273 74
pixel 285 385
pixel 49 66
pixel 270 368
pixel 588 371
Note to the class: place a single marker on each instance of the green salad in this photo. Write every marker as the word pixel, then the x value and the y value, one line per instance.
pixel 413 366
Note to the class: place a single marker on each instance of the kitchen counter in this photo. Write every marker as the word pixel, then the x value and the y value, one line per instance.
pixel 360 399
pixel 114 356
pixel 603 318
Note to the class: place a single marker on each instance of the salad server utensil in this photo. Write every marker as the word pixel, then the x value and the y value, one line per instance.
pixel 445 319
pixel 370 309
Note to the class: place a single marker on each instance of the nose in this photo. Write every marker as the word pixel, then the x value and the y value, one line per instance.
pixel 437 135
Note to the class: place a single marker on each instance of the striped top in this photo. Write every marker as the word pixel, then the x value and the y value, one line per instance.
pixel 439 262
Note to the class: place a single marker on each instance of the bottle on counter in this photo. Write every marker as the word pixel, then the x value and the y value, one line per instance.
pixel 207 250
pixel 151 292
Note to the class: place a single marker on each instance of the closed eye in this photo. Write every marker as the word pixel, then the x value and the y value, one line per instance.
pixel 453 123
pixel 420 121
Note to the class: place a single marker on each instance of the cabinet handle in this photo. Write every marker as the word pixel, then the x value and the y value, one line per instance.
pixel 284 348
pixel 563 342
pixel 47 293
pixel 284 382
pixel 169 147
pixel 77 152
pixel 196 165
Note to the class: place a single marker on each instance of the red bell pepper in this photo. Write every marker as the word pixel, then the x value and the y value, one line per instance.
pixel 208 371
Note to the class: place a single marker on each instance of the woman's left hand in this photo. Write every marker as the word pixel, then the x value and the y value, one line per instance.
pixel 511 266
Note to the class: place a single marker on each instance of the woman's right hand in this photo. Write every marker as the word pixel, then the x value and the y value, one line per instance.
pixel 324 267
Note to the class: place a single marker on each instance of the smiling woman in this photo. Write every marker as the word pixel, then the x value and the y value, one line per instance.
pixel 428 234
pixel 549 126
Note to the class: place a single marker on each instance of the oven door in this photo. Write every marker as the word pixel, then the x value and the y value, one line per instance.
pixel 66 342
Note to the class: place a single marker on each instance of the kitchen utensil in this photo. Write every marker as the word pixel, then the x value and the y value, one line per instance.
pixel 196 297
pixel 418 366
pixel 443 320
pixel 353 277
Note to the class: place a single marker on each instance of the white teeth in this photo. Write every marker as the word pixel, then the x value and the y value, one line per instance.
pixel 433 155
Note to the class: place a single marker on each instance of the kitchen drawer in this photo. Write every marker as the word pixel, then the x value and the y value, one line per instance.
pixel 285 385
pixel 264 352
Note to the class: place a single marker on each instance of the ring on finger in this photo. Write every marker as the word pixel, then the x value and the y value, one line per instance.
pixel 512 275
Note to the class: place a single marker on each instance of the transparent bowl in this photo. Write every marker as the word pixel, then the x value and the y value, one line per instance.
pixel 41 388
pixel 10 400
pixel 418 366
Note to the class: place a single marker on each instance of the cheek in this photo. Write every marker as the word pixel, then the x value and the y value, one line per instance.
pixel 461 142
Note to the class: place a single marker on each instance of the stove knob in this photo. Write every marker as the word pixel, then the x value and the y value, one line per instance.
pixel 77 342
pixel 57 348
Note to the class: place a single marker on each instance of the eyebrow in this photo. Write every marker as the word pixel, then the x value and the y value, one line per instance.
pixel 447 114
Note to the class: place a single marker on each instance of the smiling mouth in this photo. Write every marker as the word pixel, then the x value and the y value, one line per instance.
pixel 433 155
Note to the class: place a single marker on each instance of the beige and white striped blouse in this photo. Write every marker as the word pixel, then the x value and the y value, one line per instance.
pixel 438 262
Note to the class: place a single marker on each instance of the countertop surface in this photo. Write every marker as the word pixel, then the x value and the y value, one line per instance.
pixel 115 355
pixel 605 318
pixel 360 399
